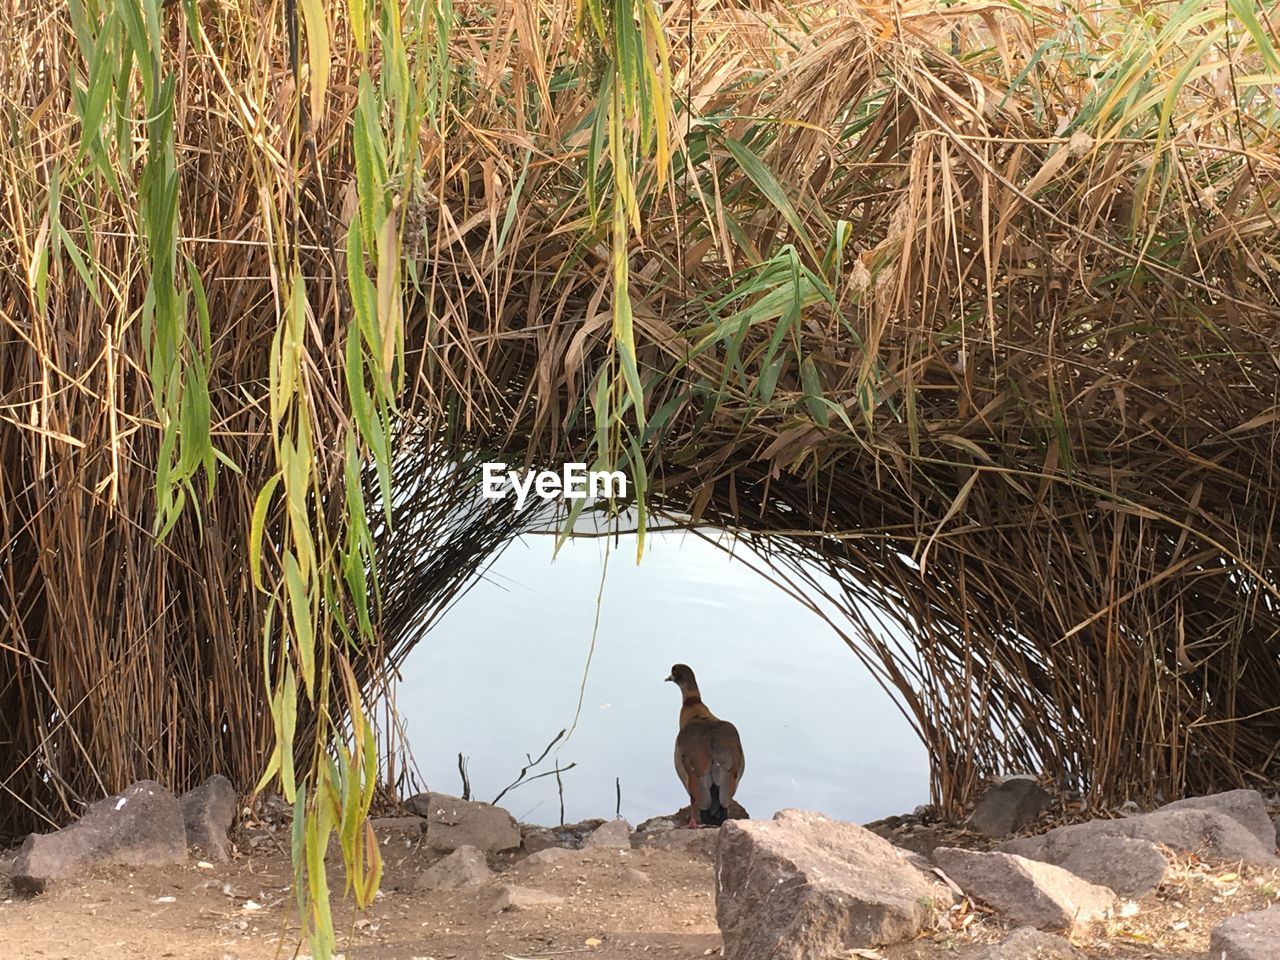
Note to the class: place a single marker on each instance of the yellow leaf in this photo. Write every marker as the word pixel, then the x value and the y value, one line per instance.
pixel 317 54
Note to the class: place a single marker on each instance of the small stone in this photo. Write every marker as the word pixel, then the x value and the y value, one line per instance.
pixel 1008 807
pixel 523 898
pixel 1028 943
pixel 1026 892
pixel 632 875
pixel 1251 936
pixel 612 834
pixel 465 867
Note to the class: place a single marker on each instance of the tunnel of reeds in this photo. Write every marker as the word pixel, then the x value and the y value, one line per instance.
pixel 973 309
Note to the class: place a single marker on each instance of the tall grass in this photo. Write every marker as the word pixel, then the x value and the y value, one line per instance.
pixel 973 306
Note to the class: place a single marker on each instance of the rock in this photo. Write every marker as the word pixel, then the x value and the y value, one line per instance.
pixel 1251 936
pixel 523 898
pixel 1028 943
pixel 802 886
pixel 454 823
pixel 1246 807
pixel 1209 833
pixel 1008 807
pixel 412 826
pixel 207 813
pixel 613 834
pixel 553 856
pixel 1130 867
pixel 1026 892
pixel 465 867
pixel 680 819
pixel 571 835
pixel 699 843
pixel 139 827
pixel 637 877
pixel 548 861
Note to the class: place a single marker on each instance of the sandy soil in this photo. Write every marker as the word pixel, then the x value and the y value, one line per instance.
pixel 241 911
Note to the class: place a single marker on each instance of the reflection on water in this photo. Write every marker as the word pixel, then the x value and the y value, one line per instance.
pixel 499 676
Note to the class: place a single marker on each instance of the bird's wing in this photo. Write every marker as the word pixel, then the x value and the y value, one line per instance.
pixel 727 760
pixel 694 760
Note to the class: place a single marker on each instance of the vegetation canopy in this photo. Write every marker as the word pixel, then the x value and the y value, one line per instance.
pixel 972 306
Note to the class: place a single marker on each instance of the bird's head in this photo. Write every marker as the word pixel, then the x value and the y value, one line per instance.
pixel 682 677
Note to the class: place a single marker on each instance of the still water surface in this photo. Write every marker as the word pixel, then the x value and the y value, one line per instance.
pixel 500 674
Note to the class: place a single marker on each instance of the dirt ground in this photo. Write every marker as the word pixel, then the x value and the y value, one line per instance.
pixel 240 911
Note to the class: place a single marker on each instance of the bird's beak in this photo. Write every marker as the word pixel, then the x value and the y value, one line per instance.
pixel 670 678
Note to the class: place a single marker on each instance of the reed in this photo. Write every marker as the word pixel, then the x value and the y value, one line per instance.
pixel 972 307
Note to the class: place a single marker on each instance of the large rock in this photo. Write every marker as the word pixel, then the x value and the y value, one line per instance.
pixel 1026 892
pixel 614 834
pixel 1008 807
pixel 1209 833
pixel 1246 807
pixel 802 886
pixel 139 827
pixel 1251 936
pixel 454 823
pixel 1130 867
pixel 207 814
pixel 1028 943
pixel 465 867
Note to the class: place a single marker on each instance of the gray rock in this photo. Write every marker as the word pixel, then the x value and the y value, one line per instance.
pixel 637 877
pixel 1028 943
pixel 1130 867
pixel 454 823
pixel 1008 807
pixel 1251 936
pixel 546 862
pixel 1244 806
pixel 207 813
pixel 1209 833
pixel 699 843
pixel 465 867
pixel 410 826
pixel 1026 892
pixel 523 898
pixel 680 819
pixel 139 827
pixel 802 886
pixel 612 834
pixel 571 835
pixel 553 857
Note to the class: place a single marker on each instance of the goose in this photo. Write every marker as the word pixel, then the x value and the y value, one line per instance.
pixel 709 759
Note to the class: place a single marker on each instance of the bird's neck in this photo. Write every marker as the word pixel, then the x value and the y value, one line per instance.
pixel 694 709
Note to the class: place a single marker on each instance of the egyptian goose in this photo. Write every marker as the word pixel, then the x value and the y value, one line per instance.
pixel 709 757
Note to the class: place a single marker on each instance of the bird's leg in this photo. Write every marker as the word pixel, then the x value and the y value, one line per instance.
pixel 693 814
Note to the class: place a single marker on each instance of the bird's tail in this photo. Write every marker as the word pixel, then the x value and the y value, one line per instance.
pixel 716 814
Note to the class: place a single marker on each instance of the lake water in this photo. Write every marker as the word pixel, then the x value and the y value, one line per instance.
pixel 500 674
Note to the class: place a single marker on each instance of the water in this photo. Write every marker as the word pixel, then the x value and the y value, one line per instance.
pixel 499 676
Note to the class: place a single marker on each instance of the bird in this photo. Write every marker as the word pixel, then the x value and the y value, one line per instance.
pixel 709 758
